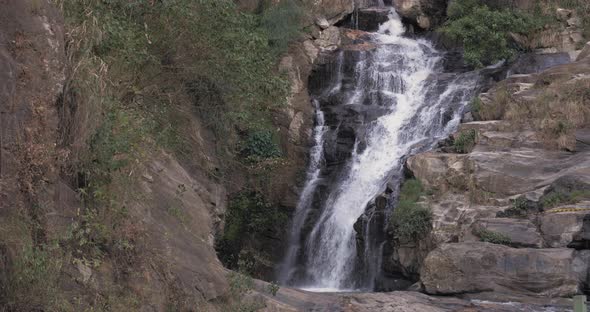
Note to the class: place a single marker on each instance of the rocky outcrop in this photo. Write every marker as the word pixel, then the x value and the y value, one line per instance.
pixel 478 267
pixel 562 225
pixel 425 14
pixel 512 186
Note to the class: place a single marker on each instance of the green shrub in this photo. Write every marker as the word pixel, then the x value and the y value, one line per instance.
pixel 494 237
pixel 475 106
pixel 409 219
pixel 249 216
pixel 519 209
pixel 260 145
pixel 273 288
pixel 465 141
pixel 485 33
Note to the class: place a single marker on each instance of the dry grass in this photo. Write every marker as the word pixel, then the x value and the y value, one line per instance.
pixel 492 107
pixel 557 113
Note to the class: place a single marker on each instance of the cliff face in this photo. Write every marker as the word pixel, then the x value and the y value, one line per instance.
pixel 41 203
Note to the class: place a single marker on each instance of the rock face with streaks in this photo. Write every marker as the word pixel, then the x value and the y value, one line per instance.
pixel 479 267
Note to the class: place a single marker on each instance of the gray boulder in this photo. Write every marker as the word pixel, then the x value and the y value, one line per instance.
pixel 479 267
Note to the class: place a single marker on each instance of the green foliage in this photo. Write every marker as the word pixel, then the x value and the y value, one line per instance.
pixel 260 145
pixel 465 141
pixel 151 52
pixel 475 105
pixel 494 237
pixel 519 209
pixel 240 285
pixel 249 216
pixel 554 199
pixel 411 190
pixel 282 23
pixel 273 288
pixel 32 281
pixel 410 220
pixel 485 33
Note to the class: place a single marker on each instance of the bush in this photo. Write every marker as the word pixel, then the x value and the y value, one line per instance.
pixel 249 216
pixel 465 141
pixel 409 219
pixel 260 145
pixel 494 237
pixel 519 209
pixel 485 33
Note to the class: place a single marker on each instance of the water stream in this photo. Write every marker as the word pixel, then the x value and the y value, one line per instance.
pixel 401 102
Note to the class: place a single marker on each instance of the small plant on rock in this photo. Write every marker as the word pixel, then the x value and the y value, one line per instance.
pixel 494 237
pixel 410 220
pixel 260 145
pixel 273 288
pixel 465 141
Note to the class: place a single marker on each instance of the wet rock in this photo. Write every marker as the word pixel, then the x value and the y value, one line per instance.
pixel 333 10
pixel 478 267
pixel 368 19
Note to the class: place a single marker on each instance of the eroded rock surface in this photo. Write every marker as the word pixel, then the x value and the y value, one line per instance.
pixel 478 267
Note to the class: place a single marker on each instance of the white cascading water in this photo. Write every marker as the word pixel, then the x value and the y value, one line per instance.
pixel 404 73
pixel 313 173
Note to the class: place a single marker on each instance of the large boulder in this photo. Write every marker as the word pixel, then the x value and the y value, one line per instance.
pixel 425 14
pixel 561 225
pixel 480 267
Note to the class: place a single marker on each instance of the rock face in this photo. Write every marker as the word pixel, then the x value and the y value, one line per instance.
pixel 479 267
pixel 425 14
pixel 32 64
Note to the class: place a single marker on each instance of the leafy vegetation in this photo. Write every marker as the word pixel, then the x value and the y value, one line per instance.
pixel 519 209
pixel 33 281
pixel 137 73
pixel 240 285
pixel 273 288
pixel 282 23
pixel 485 32
pixel 465 141
pixel 260 145
pixel 554 198
pixel 249 216
pixel 410 220
pixel 493 237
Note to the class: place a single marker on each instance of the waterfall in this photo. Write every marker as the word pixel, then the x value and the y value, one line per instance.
pixel 399 101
